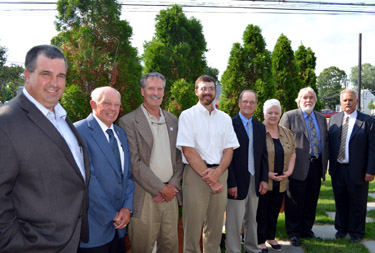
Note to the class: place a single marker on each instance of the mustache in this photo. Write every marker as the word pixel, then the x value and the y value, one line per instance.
pixel 155 97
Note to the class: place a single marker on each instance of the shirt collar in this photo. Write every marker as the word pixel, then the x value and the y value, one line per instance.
pixel 352 115
pixel 102 125
pixel 244 119
pixel 203 109
pixel 59 110
pixel 305 115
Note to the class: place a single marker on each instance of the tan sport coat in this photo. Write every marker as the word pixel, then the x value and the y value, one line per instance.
pixel 140 141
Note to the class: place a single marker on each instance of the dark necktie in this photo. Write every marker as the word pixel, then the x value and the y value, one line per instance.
pixel 114 146
pixel 313 138
pixel 344 133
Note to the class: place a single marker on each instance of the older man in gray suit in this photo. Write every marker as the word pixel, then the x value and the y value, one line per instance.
pixel 43 164
pixel 311 141
pixel 157 170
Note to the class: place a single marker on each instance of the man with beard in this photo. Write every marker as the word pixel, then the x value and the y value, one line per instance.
pixel 352 165
pixel 156 168
pixel 311 142
pixel 207 139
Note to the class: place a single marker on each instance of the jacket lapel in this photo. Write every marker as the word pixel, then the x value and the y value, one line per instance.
pixel 302 123
pixel 99 137
pixel 143 127
pixel 172 129
pixel 49 129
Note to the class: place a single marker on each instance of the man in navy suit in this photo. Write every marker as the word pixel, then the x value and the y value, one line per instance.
pixel 351 165
pixel 111 186
pixel 246 180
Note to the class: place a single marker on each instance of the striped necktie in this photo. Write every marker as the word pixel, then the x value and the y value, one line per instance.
pixel 344 133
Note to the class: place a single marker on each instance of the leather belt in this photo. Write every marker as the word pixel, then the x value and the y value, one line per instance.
pixel 314 159
pixel 211 165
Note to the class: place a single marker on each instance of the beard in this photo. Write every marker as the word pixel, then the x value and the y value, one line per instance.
pixel 308 108
pixel 207 99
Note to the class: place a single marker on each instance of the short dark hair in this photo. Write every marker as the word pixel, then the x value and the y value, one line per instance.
pixel 206 79
pixel 152 75
pixel 51 52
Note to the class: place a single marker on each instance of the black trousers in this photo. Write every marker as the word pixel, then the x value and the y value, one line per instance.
pixel 117 245
pixel 300 204
pixel 351 202
pixel 268 211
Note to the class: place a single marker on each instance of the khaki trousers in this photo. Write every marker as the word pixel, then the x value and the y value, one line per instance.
pixel 158 223
pixel 202 208
pixel 242 212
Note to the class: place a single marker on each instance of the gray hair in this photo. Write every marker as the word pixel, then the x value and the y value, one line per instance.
pixel 49 51
pixel 269 103
pixel 97 93
pixel 302 92
pixel 152 75
pixel 352 91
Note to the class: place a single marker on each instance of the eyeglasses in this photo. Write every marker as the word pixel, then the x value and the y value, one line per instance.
pixel 248 102
pixel 158 123
pixel 210 89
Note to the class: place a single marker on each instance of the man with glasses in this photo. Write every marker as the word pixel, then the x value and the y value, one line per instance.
pixel 207 139
pixel 248 177
pixel 156 168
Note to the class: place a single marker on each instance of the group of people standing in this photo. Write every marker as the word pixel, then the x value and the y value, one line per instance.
pixel 66 187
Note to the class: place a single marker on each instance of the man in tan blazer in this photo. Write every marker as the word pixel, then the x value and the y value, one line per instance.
pixel 156 168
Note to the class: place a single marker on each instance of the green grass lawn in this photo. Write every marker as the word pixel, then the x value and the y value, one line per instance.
pixel 326 203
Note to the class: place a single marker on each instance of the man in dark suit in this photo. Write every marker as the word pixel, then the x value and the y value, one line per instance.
pixel 44 165
pixel 352 165
pixel 247 176
pixel 311 141
pixel 157 170
pixel 111 186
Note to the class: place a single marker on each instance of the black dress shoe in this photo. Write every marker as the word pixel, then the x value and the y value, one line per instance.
pixel 355 239
pixel 295 241
pixel 276 247
pixel 340 235
pixel 263 250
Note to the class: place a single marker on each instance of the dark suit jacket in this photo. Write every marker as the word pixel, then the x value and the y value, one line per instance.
pixel 109 191
pixel 140 142
pixel 238 173
pixel 294 121
pixel 42 192
pixel 361 146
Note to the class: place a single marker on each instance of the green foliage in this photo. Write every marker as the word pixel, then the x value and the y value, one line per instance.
pixel 182 97
pixel 10 78
pixel 306 61
pixel 214 72
pixel 76 102
pixel 249 67
pixel 177 49
pixel 98 49
pixel 371 105
pixel 367 76
pixel 329 83
pixel 285 73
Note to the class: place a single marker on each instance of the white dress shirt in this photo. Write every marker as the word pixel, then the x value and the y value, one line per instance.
pixel 352 119
pixel 208 133
pixel 57 119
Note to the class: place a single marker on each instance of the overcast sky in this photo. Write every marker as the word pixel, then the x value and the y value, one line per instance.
pixel 333 38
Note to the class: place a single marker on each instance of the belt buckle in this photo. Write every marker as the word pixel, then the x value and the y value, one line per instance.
pixel 313 159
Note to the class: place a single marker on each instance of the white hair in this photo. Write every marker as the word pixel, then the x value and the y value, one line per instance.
pixel 269 103
pixel 302 92
pixel 97 93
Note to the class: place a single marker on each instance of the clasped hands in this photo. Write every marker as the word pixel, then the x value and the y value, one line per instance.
pixel 166 194
pixel 122 218
pixel 211 178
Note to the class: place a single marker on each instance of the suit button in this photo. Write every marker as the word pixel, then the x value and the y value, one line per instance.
pixel 120 182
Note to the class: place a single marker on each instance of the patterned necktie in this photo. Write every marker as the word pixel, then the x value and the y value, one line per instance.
pixel 251 150
pixel 314 141
pixel 344 133
pixel 114 146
